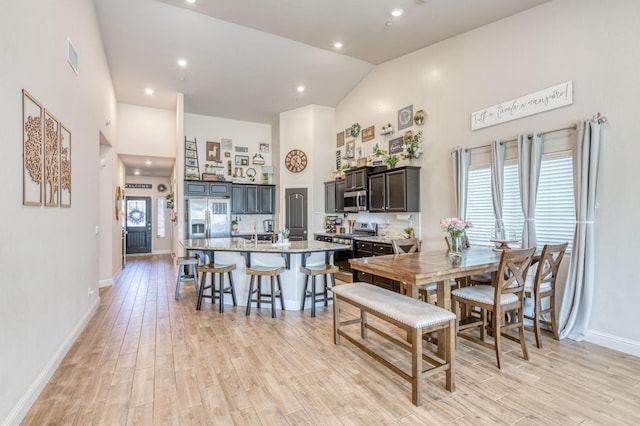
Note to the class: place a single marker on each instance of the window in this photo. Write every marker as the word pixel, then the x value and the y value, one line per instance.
pixel 555 208
pixel 161 210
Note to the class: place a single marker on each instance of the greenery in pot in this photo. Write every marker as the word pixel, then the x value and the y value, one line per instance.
pixel 170 200
pixel 380 152
pixel 411 146
pixel 392 160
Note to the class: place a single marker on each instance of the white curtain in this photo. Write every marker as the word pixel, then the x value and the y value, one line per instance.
pixel 461 159
pixel 575 311
pixel 497 184
pixel 529 161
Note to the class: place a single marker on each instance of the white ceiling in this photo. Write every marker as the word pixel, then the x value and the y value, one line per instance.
pixel 247 57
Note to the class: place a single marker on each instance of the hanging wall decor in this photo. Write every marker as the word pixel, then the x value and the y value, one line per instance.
pixel 32 146
pixel 46 156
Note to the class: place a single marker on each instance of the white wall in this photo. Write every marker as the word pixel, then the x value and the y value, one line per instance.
pixel 146 131
pixel 590 42
pixel 311 130
pixel 49 256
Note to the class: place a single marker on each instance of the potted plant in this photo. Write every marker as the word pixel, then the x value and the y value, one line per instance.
pixel 234 225
pixel 392 160
pixel 170 200
pixel 285 235
pixel 411 145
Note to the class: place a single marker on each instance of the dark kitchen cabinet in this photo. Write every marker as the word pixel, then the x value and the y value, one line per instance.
pixel 395 190
pixel 252 199
pixel 334 196
pixel 207 189
pixel 356 179
pixel 368 249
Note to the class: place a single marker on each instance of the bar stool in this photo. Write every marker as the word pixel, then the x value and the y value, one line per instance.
pixel 214 269
pixel 184 265
pixel 328 272
pixel 260 297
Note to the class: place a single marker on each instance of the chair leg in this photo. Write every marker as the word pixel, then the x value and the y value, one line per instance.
pixel 313 296
pixel 221 292
pixel 248 311
pixel 554 323
pixel 180 272
pixel 304 292
pixel 201 292
pixel 280 293
pixel 497 337
pixel 273 298
pixel 233 289
pixel 523 343
pixel 536 320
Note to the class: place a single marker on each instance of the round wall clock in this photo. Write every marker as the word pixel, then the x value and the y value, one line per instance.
pixel 296 161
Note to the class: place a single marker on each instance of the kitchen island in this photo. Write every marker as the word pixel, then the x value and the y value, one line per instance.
pixel 243 253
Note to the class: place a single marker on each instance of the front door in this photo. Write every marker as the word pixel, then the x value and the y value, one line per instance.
pixel 138 217
pixel 296 213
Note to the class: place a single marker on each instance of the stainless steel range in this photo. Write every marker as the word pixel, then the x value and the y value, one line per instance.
pixel 360 229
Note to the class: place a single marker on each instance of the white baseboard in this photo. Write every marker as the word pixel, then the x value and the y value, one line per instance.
pixel 105 283
pixel 26 401
pixel 166 251
pixel 610 341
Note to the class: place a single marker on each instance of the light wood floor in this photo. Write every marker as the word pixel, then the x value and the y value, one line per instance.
pixel 146 359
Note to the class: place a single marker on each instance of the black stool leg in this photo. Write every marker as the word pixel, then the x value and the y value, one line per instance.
pixel 200 293
pixel 250 294
pixel 304 292
pixel 233 289
pixel 273 298
pixel 221 292
pixel 313 296
pixel 280 293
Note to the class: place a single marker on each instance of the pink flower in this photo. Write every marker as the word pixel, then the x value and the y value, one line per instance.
pixel 454 225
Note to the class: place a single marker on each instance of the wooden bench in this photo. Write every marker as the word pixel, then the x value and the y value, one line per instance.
pixel 411 315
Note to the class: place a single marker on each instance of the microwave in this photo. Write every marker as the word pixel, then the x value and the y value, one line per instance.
pixel 355 201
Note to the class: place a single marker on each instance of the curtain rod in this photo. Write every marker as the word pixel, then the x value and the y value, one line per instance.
pixel 599 118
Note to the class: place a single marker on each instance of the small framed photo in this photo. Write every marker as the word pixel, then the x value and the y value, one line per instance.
pixel 190 162
pixel 340 139
pixel 190 154
pixel 359 152
pixel 264 147
pixel 226 143
pixel 242 160
pixel 350 149
pixel 191 145
pixel 405 117
pixel 241 149
pixel 227 155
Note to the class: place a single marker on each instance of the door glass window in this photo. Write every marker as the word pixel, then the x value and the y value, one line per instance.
pixel 161 209
pixel 136 213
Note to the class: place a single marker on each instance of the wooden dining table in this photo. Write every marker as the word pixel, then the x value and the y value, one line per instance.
pixel 415 269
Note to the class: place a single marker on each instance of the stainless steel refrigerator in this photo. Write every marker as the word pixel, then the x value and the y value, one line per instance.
pixel 208 217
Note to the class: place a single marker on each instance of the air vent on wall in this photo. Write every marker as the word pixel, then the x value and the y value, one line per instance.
pixel 72 56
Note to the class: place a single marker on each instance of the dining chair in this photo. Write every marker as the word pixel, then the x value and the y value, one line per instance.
pixel 540 285
pixel 505 296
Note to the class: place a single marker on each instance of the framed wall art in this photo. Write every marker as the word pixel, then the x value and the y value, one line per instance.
pixel 190 145
pixel 190 162
pixel 65 166
pixel 396 145
pixel 340 139
pixel 264 147
pixel 405 117
pixel 226 143
pixel 369 133
pixel 32 146
pixel 213 151
pixel 242 160
pixel 350 149
pixel 51 168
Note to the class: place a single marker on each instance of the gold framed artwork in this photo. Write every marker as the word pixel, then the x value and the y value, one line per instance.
pixel 46 177
pixel 340 139
pixel 369 133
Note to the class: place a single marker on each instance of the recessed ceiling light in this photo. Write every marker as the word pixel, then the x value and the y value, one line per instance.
pixel 148 91
pixel 137 172
pixel 337 45
pixel 397 12
pixel 191 1
pixel 300 89
pixel 182 62
pixel 148 162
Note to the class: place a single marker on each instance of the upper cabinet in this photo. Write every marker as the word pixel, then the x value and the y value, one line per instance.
pixel 395 190
pixel 253 199
pixel 356 179
pixel 207 189
pixel 334 196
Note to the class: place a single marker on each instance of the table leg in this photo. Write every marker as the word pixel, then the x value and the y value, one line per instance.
pixel 412 291
pixel 444 301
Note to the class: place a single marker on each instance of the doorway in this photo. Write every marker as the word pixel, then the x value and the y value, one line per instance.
pixel 295 200
pixel 138 217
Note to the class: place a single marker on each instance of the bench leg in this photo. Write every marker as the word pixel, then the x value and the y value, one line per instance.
pixel 416 367
pixel 363 324
pixel 336 320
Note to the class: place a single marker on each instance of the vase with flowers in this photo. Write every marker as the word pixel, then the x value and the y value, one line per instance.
pixel 411 145
pixel 455 227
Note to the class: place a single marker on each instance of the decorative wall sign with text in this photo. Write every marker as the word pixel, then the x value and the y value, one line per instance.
pixel 534 103
pixel 369 133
